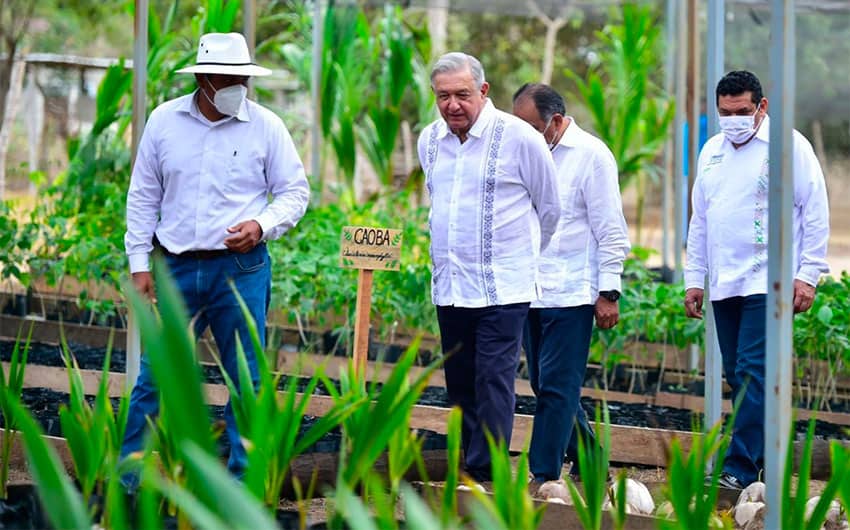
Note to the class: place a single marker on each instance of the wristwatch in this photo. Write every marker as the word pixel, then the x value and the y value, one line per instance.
pixel 611 296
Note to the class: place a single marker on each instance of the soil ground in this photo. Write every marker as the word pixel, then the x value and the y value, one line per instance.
pixel 316 509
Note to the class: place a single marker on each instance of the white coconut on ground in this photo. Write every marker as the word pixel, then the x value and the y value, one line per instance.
pixel 836 518
pixel 755 492
pixel 749 514
pixel 638 498
pixel 554 491
pixel 665 510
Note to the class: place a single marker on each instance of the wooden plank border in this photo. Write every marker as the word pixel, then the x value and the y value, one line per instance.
pixel 629 445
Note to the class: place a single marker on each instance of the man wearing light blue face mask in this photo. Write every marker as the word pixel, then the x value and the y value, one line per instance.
pixel 216 177
pixel 727 241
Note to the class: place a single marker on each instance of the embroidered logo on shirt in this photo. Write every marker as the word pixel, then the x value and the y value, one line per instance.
pixel 759 237
pixel 715 160
pixel 487 212
pixel 432 159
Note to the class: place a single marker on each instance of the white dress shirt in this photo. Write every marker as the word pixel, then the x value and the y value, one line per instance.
pixel 587 251
pixel 727 238
pixel 494 205
pixel 194 178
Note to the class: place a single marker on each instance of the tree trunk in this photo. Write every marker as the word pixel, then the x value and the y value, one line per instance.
pixel 13 97
pixel 438 17
pixel 553 26
pixel 34 103
pixel 6 67
pixel 552 29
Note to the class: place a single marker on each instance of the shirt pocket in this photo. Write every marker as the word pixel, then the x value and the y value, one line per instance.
pixel 245 171
pixel 250 262
pixel 552 274
pixel 572 246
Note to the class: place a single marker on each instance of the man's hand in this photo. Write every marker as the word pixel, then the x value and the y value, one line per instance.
pixel 245 236
pixel 143 282
pixel 607 313
pixel 804 295
pixel 693 302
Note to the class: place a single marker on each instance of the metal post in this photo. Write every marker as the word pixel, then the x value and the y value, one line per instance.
pixel 249 28
pixel 779 341
pixel 714 71
pixel 315 92
pixel 715 60
pixel 679 142
pixel 140 82
pixel 669 75
pixel 693 109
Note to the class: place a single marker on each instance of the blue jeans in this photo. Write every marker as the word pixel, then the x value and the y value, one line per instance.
pixel 209 299
pixel 740 323
pixel 557 343
pixel 483 347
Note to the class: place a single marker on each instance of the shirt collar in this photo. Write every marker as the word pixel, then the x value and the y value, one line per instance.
pixel 190 106
pixel 763 133
pixel 477 129
pixel 570 138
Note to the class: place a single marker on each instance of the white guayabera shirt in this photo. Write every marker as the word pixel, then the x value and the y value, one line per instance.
pixel 494 205
pixel 727 238
pixel 587 251
pixel 194 178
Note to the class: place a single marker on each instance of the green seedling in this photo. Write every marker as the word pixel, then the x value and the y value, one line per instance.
pixel 270 421
pixel 692 499
pixel 93 431
pixel 11 389
pixel 510 505
pixel 215 483
pixel 365 439
pixel 593 460
pixel 794 508
pixel 63 505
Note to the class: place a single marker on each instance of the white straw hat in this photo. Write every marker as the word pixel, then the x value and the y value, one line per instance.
pixel 224 53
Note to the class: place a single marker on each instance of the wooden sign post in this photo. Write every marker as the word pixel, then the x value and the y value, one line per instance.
pixel 367 249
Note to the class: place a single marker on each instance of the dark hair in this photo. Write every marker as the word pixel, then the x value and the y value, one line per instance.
pixel 737 82
pixel 547 101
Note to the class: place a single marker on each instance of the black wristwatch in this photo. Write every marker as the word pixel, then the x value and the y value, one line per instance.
pixel 611 296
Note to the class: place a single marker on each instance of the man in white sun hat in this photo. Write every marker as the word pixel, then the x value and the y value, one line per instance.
pixel 215 177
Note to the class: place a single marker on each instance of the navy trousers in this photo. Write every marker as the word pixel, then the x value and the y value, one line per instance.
pixel 483 346
pixel 740 323
pixel 203 283
pixel 557 343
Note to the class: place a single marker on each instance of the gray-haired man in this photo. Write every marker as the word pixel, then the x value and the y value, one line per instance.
pixel 494 205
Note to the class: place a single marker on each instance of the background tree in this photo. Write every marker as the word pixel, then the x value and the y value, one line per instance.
pixel 629 110
pixel 15 18
pixel 823 67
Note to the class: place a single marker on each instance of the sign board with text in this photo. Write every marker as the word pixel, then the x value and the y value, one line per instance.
pixel 366 247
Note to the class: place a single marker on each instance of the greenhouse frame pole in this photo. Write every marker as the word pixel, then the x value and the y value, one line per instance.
pixel 666 183
pixel 779 325
pixel 315 93
pixel 140 82
pixel 249 27
pixel 715 58
pixel 679 145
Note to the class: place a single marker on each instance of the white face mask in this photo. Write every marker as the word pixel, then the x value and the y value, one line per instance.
pixel 551 146
pixel 738 129
pixel 228 100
